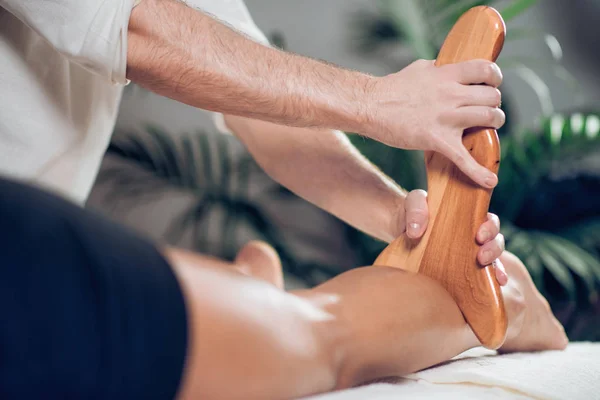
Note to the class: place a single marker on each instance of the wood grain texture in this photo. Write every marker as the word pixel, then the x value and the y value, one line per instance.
pixel 448 250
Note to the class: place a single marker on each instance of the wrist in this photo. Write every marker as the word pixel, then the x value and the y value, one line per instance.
pixel 389 213
pixel 397 222
pixel 347 105
pixel 380 210
pixel 363 110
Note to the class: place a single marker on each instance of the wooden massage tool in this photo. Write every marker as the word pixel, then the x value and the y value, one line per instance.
pixel 457 205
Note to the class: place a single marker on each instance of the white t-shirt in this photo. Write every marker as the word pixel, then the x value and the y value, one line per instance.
pixel 62 72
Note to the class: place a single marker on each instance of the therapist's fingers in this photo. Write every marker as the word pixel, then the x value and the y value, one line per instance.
pixel 489 229
pixel 456 152
pixel 491 250
pixel 500 271
pixel 416 213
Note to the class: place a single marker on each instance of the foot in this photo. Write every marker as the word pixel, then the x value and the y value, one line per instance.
pixel 256 259
pixel 540 330
pixel 261 261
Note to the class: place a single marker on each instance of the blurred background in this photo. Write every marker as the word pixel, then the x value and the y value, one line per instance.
pixel 172 177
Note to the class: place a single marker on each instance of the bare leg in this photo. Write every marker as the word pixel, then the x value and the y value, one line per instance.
pixel 365 324
pixel 253 340
pixel 397 323
pixel 256 259
pixel 540 329
pixel 65 270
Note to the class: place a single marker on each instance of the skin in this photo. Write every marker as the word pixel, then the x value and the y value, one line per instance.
pixel 279 344
pixel 324 168
pixel 186 55
pixel 343 333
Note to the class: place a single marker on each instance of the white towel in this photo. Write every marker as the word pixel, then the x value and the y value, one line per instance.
pixel 572 374
pixel 413 390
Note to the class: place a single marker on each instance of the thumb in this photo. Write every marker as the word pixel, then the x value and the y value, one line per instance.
pixel 460 156
pixel 417 213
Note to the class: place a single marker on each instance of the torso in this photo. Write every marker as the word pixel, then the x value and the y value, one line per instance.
pixel 56 118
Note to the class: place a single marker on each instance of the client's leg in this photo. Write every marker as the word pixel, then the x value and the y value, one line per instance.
pixel 379 322
pixel 256 259
pixel 251 340
pixel 540 330
pixel 89 310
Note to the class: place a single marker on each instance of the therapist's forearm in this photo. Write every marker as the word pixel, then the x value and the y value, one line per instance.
pixel 323 167
pixel 184 54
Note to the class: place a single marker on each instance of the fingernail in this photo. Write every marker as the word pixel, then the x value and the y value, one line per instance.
pixel 503 276
pixel 485 236
pixel 497 69
pixel 487 255
pixel 413 229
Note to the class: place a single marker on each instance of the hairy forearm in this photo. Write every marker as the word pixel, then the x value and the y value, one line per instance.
pixel 186 55
pixel 323 167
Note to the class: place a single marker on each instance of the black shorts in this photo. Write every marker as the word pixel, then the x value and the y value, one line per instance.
pixel 88 310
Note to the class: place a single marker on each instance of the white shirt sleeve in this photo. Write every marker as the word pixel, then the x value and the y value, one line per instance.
pixel 235 14
pixel 91 33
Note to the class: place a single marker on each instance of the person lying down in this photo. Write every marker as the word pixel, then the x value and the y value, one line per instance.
pixel 92 310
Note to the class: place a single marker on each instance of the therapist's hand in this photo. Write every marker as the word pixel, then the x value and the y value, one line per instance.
pixel 425 107
pixel 416 219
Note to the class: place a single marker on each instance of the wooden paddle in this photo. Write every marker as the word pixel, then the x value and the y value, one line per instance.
pixel 457 206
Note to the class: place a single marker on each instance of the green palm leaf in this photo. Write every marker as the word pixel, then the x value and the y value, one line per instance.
pixel 516 8
pixel 558 269
pixel 586 234
pixel 575 259
pixel 535 155
pixel 203 167
pixel 529 163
